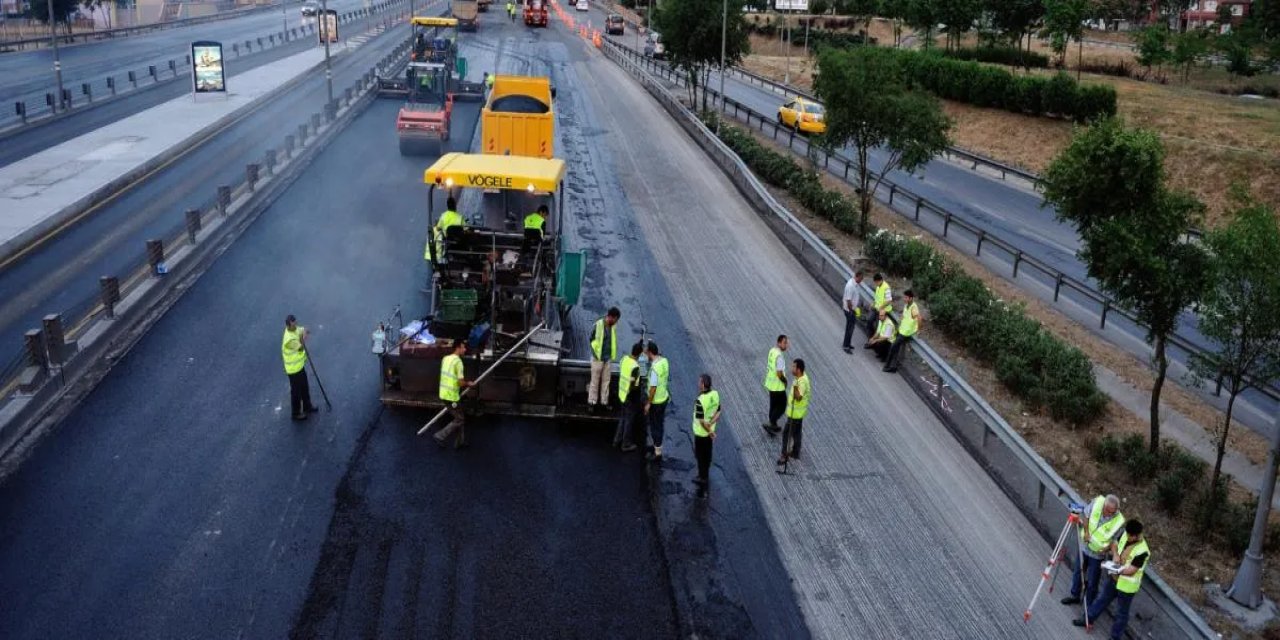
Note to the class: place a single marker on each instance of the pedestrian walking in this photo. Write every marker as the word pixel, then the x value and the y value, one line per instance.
pixel 706 415
pixel 775 382
pixel 882 341
pixel 630 399
pixel 852 306
pixel 655 408
pixel 452 381
pixel 293 348
pixel 1133 556
pixel 604 350
pixel 907 329
pixel 797 409
pixel 1100 526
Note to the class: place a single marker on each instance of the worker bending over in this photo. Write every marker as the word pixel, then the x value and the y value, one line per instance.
pixel 655 408
pixel 706 415
pixel 629 397
pixel 604 350
pixel 797 408
pixel 452 382
pixel 1132 554
pixel 775 382
pixel 293 347
pixel 1099 527
pixel 907 329
pixel 882 341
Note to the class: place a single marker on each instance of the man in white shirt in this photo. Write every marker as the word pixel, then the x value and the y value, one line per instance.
pixel 852 306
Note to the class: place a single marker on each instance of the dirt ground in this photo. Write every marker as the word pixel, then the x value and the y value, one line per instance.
pixel 1184 561
pixel 1211 140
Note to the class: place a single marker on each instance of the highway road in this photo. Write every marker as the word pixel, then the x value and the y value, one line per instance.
pixel 38 137
pixel 1016 214
pixel 28 75
pixel 62 276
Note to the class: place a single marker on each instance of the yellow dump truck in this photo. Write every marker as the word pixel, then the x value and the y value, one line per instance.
pixel 464 11
pixel 518 119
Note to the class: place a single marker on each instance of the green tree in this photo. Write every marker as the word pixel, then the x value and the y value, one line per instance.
pixel 62 12
pixel 861 10
pixel 1237 47
pixel 896 11
pixel 924 16
pixel 959 16
pixel 1153 47
pixel 1064 21
pixel 1188 49
pixel 1240 313
pixel 1110 184
pixel 869 107
pixel 1016 18
pixel 691 33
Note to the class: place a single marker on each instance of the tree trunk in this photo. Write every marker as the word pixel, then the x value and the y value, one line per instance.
pixel 1222 446
pixel 1079 56
pixel 1162 368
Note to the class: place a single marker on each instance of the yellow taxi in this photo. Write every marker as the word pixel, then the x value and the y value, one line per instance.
pixel 803 116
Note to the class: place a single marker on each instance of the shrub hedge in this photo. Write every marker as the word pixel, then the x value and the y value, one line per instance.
pixel 1008 56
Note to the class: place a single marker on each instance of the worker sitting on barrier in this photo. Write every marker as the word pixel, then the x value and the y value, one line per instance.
pixel 448 220
pixel 884 337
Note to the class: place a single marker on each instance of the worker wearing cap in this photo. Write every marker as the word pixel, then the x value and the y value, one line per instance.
pixel 655 408
pixel 1133 557
pixel 775 382
pixel 450 218
pixel 452 381
pixel 797 409
pixel 882 299
pixel 706 415
pixel 537 221
pixel 1099 526
pixel 604 350
pixel 907 329
pixel 293 347
pixel 886 334
pixel 629 389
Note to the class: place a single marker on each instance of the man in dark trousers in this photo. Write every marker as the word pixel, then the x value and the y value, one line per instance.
pixel 797 409
pixel 775 382
pixel 907 329
pixel 655 407
pixel 452 381
pixel 293 347
pixel 629 396
pixel 706 414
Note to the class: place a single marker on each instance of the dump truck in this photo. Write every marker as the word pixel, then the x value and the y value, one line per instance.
pixel 535 13
pixel 504 290
pixel 465 12
pixel 518 118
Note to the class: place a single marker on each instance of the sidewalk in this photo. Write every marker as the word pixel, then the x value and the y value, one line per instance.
pixel 51 188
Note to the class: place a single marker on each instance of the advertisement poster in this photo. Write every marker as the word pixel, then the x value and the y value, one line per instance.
pixel 792 5
pixel 206 67
pixel 328 26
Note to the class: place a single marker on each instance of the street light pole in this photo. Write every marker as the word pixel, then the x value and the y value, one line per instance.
pixel 328 33
pixel 57 63
pixel 724 22
pixel 786 76
pixel 1246 588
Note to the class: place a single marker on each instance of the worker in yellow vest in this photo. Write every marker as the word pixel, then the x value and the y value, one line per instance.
pixel 537 221
pixel 655 408
pixel 511 10
pixel 706 415
pixel 775 382
pixel 907 328
pixel 1133 557
pixel 293 347
pixel 604 350
pixel 886 334
pixel 629 397
pixel 450 218
pixel 488 80
pixel 452 381
pixel 797 409
pixel 1100 525
pixel 882 298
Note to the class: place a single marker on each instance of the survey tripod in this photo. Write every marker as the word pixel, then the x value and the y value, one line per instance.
pixel 1069 530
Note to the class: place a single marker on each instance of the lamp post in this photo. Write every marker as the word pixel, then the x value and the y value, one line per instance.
pixel 1246 588
pixel 724 26
pixel 786 76
pixel 328 33
pixel 57 63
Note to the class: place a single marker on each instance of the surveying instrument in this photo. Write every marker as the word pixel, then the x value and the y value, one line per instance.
pixel 1055 559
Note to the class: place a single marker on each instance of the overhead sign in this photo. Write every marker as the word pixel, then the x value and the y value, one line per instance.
pixel 207 73
pixel 791 5
pixel 327 26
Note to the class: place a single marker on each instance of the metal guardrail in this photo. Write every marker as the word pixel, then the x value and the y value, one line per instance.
pixel 914 207
pixel 37 369
pixel 120 83
pixel 106 34
pixel 1025 477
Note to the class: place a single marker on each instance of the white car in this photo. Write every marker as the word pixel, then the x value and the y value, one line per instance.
pixel 582 6
pixel 310 10
pixel 653 47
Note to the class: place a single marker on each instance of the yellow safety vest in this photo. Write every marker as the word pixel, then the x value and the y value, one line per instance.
pixel 1131 584
pixel 534 221
pixel 771 381
pixel 488 81
pixel 1099 537
pixel 880 329
pixel 709 402
pixel 627 368
pixel 882 296
pixel 450 374
pixel 663 370
pixel 796 409
pixel 447 219
pixel 597 341
pixel 908 326
pixel 291 348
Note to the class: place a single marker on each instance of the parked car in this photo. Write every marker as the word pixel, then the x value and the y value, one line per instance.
pixel 582 5
pixel 803 116
pixel 614 25
pixel 653 46
pixel 310 10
